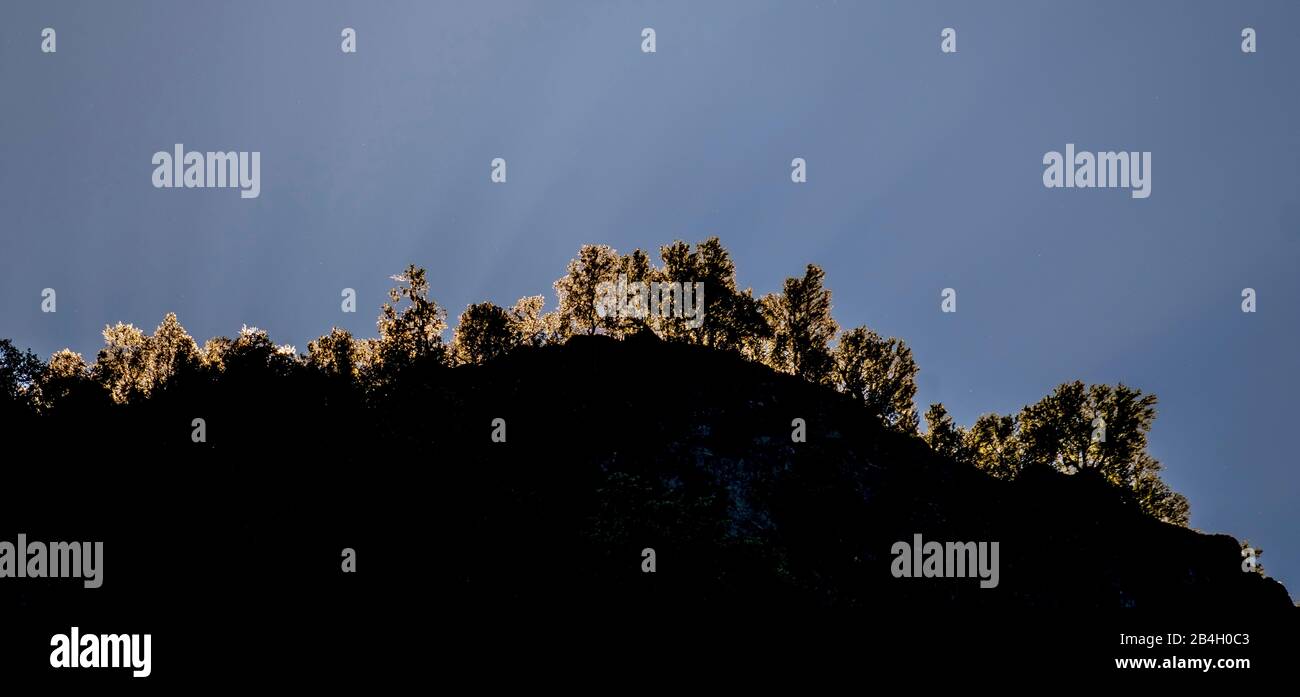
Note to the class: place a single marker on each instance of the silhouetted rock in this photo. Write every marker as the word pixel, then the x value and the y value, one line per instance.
pixel 613 447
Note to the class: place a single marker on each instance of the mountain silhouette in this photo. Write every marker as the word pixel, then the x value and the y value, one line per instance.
pixel 614 447
pixel 610 447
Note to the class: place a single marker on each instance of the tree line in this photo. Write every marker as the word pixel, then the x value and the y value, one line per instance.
pixel 791 331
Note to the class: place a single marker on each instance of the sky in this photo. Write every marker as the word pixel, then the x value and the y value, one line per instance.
pixel 924 172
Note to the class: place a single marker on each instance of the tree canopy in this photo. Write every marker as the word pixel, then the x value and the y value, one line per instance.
pixel 1099 428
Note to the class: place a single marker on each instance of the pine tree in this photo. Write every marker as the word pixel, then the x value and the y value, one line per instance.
pixel 731 315
pixel 415 332
pixel 942 435
pixel 1102 429
pixel 636 269
pixel 680 265
pixel 802 327
pixel 577 290
pixel 1066 428
pixel 880 373
pixel 1154 496
pixel 170 352
pixel 993 445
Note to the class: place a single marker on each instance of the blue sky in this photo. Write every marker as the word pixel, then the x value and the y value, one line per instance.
pixel 924 172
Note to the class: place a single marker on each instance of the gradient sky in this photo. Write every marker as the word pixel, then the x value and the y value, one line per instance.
pixel 924 173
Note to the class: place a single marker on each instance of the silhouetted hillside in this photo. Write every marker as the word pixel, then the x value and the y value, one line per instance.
pixel 699 465
pixel 612 447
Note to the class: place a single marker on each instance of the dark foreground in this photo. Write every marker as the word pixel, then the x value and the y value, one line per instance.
pixel 523 560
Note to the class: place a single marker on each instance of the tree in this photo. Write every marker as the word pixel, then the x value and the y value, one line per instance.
pixel 577 290
pixel 1155 497
pixel 942 435
pixel 415 332
pixel 483 333
pixel 1102 429
pixel 66 378
pixel 1128 415
pixel 336 354
pixel 1059 429
pixel 252 353
pixel 680 265
pixel 212 357
pixel 168 353
pixel 733 319
pixel 530 326
pixel 19 371
pixel 637 270
pixel 121 366
pixel 1248 551
pixel 994 446
pixel 880 373
pixel 802 327
pixel 132 365
pixel 731 315
pixel 718 273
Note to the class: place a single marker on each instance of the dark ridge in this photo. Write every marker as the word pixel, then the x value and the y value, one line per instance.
pixel 611 447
